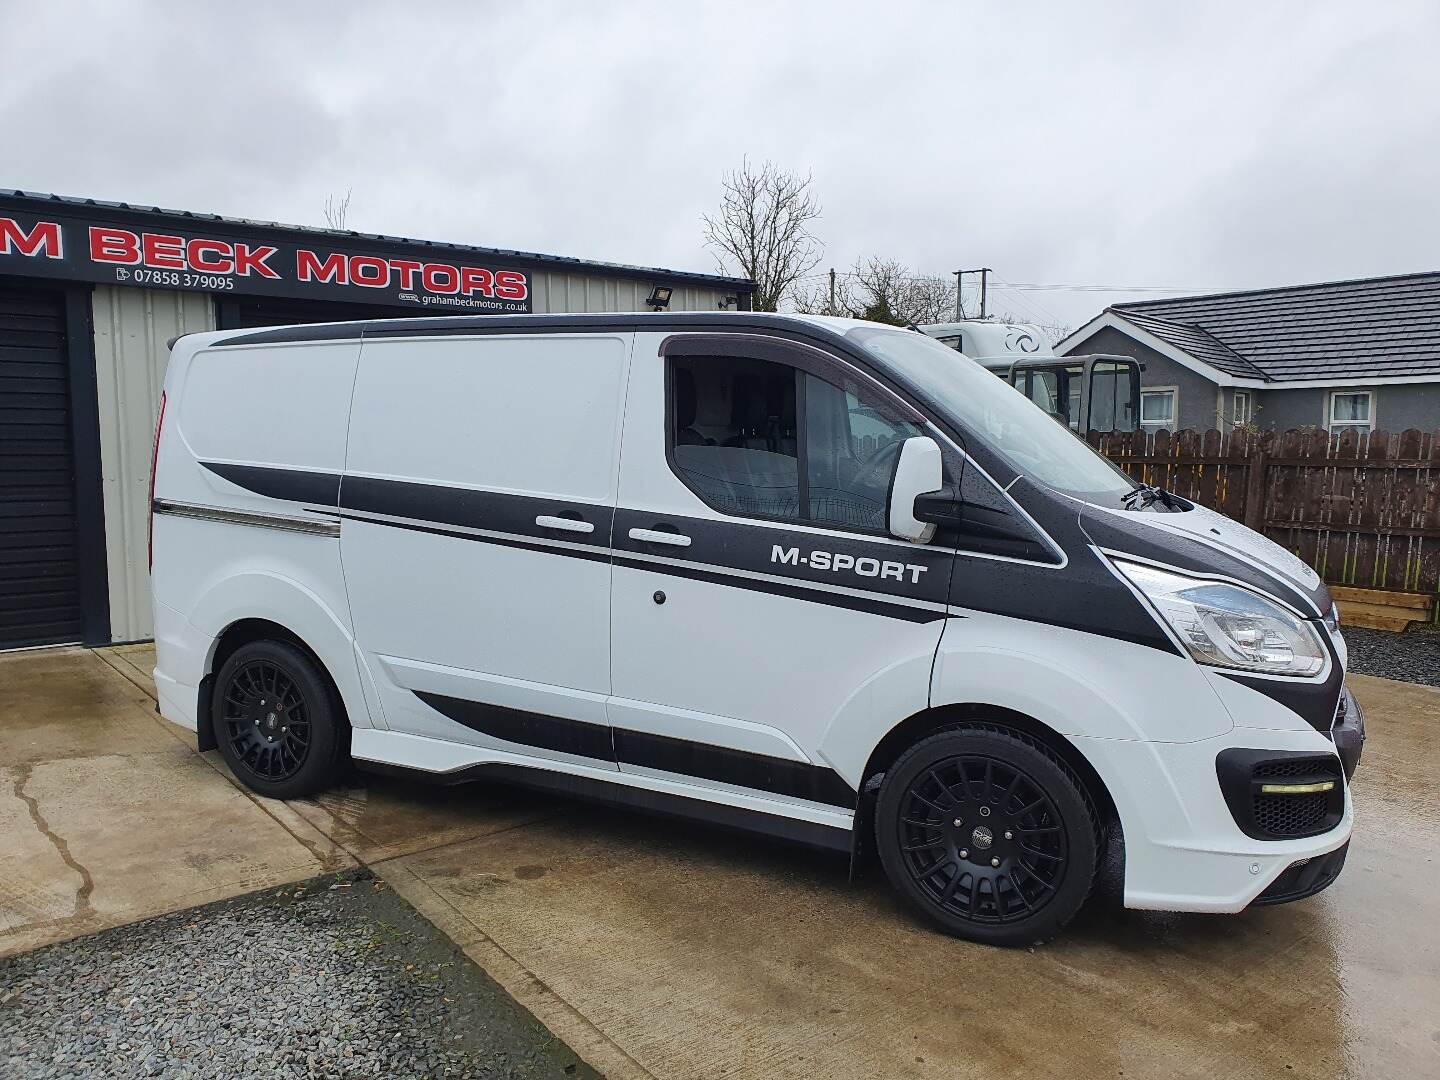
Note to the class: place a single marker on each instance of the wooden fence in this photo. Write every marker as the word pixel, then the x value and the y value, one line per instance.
pixel 1362 509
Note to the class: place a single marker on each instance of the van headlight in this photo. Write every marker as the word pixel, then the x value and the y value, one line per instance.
pixel 1228 626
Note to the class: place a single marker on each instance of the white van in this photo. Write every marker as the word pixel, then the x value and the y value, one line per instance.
pixel 820 578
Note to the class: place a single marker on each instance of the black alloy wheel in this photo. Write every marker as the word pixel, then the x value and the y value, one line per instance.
pixel 989 834
pixel 265 720
pixel 277 723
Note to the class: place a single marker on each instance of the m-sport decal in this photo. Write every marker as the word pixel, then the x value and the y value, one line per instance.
pixel 663 753
pixel 737 555
pixel 851 563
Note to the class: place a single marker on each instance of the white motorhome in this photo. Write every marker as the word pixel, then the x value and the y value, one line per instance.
pixel 993 344
pixel 1098 393
pixel 802 575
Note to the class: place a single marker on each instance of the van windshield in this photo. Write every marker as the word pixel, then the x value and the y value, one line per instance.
pixel 989 408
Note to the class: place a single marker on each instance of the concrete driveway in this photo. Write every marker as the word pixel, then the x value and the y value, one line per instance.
pixel 670 950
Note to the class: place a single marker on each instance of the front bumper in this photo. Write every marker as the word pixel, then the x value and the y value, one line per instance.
pixel 1184 850
pixel 1303 878
pixel 1348 733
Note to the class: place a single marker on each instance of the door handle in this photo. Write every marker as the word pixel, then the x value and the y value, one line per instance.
pixel 548 521
pixel 657 536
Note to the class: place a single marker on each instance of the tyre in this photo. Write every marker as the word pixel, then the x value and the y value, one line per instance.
pixel 277 722
pixel 988 834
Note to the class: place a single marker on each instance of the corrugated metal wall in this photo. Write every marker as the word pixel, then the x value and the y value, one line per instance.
pixel 132 327
pixel 552 293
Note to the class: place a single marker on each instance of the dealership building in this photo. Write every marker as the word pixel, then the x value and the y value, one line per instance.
pixel 92 292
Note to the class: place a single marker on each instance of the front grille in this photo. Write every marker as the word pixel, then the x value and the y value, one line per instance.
pixel 1291 815
pixel 1243 775
pixel 1296 767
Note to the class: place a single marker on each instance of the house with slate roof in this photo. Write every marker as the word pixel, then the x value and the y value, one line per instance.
pixel 1361 355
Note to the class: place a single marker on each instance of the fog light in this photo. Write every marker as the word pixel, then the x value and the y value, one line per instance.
pixel 1297 789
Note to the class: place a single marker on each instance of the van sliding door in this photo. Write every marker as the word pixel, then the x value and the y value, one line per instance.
pixel 478 497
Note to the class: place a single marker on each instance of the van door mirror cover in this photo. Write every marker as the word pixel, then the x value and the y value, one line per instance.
pixel 947 510
pixel 943 507
pixel 918 469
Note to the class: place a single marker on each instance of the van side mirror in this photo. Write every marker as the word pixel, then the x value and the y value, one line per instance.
pixel 945 509
pixel 917 470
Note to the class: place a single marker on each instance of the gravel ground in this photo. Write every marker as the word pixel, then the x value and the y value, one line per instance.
pixel 336 977
pixel 1413 656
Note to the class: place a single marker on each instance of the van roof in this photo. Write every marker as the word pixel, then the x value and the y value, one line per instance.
pixel 479 324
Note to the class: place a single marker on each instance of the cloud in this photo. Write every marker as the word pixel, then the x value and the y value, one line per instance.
pixel 1226 145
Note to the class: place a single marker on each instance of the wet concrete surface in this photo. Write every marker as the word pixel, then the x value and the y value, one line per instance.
pixel 663 949
pixel 112 816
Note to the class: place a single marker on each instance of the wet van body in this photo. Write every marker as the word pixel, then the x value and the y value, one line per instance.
pixel 823 579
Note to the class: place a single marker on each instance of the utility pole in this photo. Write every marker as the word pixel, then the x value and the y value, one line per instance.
pixel 984 272
pixel 831 309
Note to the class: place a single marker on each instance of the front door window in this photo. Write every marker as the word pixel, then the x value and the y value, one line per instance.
pixel 755 438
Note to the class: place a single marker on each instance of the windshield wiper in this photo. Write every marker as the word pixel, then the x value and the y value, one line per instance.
pixel 1144 495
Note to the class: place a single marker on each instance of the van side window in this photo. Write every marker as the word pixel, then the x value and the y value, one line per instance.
pixel 759 439
pixel 732 436
pixel 850 455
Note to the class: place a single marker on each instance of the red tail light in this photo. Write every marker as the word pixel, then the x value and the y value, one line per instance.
pixel 155 460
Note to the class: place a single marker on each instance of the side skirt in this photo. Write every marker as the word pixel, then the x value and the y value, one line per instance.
pixel 655 802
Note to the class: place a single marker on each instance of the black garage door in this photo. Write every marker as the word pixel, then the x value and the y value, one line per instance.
pixel 39 598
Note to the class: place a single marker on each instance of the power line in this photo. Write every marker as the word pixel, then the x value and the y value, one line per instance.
pixel 1030 304
pixel 1047 286
pixel 1032 313
pixel 1033 286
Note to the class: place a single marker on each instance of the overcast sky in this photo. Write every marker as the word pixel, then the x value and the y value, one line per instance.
pixel 1201 146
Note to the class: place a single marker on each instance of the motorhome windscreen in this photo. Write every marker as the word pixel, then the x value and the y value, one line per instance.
pixel 990 409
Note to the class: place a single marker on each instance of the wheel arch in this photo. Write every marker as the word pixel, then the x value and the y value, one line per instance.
pixel 940 718
pixel 238 634
pixel 259 603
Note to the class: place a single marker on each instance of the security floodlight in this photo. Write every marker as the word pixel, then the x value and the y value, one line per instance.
pixel 660 297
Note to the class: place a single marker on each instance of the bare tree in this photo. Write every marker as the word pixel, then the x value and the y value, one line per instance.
pixel 763 230
pixel 882 290
pixel 337 210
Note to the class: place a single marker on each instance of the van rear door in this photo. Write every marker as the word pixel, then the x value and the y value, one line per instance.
pixel 477 499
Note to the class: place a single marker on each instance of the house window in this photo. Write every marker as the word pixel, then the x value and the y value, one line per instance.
pixel 1157 408
pixel 1243 408
pixel 1352 409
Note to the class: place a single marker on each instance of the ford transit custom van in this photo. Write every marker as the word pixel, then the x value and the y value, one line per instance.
pixel 824 579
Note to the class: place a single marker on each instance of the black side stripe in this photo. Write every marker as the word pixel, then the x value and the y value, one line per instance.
pixel 773 588
pixel 441 510
pixel 727 766
pixel 588 554
pixel 527 728
pixel 439 504
pixel 759 772
pixel 294 485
